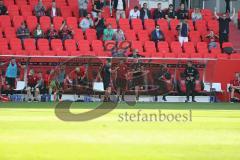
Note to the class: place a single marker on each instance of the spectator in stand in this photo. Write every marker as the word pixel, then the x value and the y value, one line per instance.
pixel 224 26
pixel 119 35
pixel 134 13
pixel 184 2
pixel 120 7
pixel 157 35
pixel 52 33
pixel 99 25
pixel 39 9
pixel 23 32
pixel 3 8
pixel 182 13
pixel 83 5
pixel 86 22
pixel 183 29
pixel 97 7
pixel 158 13
pixel 145 12
pixel 38 32
pixel 235 86
pixel 108 33
pixel 227 6
pixel 212 40
pixel 66 32
pixel 53 11
pixel 135 54
pixel 196 15
pixel 170 13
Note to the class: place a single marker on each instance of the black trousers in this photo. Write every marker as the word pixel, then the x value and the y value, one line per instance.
pixel 223 37
pixel 185 2
pixel 227 6
pixel 190 89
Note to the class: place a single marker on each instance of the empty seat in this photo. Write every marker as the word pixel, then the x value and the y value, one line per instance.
pixel 3 46
pixel 176 47
pixel 149 24
pixel 111 21
pixel 150 48
pixel 173 24
pixel 91 34
pixel 66 11
pixel 78 35
pixel 45 22
pixel 163 47
pixel 10 32
pixel 5 22
pixel 61 3
pixel 83 45
pixel 124 24
pixel 130 35
pixel 163 23
pixel 13 10
pixel 189 47
pixel 43 47
pixel 97 46
pixel 30 47
pixel 136 24
pixel 72 22
pixel 235 56
pixel 1 33
pixel 70 45
pixel 194 37
pixel 16 46
pixel 213 25
pixel 57 22
pixel 202 47
pixel 56 45
pixel 31 22
pixel 216 51
pixel 201 26
pixel 26 10
pixel 17 21
pixel 8 2
pixel 143 35
pixel 137 45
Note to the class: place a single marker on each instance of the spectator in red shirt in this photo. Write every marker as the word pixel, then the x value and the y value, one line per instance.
pixel 52 33
pixel 235 86
pixel 121 79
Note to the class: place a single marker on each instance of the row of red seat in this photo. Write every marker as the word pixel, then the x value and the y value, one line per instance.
pixel 81 47
pixel 46 3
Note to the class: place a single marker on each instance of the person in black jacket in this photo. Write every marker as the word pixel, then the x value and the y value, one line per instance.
pixel 227 6
pixel 145 12
pixel 158 13
pixel 3 8
pixel 157 35
pixel 119 6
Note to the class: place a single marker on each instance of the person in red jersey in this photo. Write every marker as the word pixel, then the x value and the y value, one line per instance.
pixel 235 86
pixel 121 79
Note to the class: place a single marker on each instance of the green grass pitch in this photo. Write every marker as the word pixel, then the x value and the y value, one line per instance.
pixel 31 131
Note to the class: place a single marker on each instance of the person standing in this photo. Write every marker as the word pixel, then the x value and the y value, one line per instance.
pixel 120 7
pixel 183 32
pixel 99 25
pixel 53 11
pixel 83 5
pixel 227 6
pixel 158 12
pixel 224 26
pixel 191 74
pixel 145 12
pixel 106 77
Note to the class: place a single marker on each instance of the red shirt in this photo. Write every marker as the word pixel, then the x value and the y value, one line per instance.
pixel 122 71
pixel 78 75
pixel 32 80
pixel 235 82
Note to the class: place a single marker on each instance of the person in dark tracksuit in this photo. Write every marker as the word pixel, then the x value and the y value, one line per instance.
pixel 190 73
pixel 227 6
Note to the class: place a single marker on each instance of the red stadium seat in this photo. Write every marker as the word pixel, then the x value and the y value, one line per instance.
pixel 33 3
pixel 124 24
pixel 17 21
pixel 201 26
pixel 149 24
pixel 31 22
pixel 47 3
pixel 61 2
pixel 169 36
pixel 1 33
pixel 72 22
pixel 227 44
pixel 136 25
pixel 13 10
pixel 4 46
pixel 97 46
pixel 56 45
pixel 111 21
pixel 150 48
pixel 176 47
pixel 30 47
pixel 5 22
pixel 163 47
pixel 173 25
pixel 163 23
pixel 8 2
pixel 209 55
pixel 235 56
pixel 106 12
pixel 189 47
pixel 196 55
pixel 26 10
pixel 57 22
pixel 91 34
pixel 10 32
pixel 137 45
pixel 108 45
pixel 143 35
pixel 130 35
pixel 21 2
pixel 16 46
pixel 66 11
pixel 194 37
pixel 213 25
pixel 70 45
pixel 43 46
pixel 202 47
pixel 78 35
pixel 84 45
pixel 171 55
pixel 216 51
pixel 222 56
pixel 190 25
pixel 45 22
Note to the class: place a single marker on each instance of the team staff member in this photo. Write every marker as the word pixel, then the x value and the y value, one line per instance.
pixel 121 79
pixel 235 86
pixel 190 73
pixel 106 77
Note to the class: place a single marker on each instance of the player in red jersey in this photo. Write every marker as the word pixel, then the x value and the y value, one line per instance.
pixel 235 86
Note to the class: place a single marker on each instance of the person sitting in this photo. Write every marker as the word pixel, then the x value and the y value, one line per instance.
pixel 3 8
pixel 118 36
pixel 86 22
pixel 134 13
pixel 145 12
pixel 83 6
pixel 182 13
pixel 183 30
pixel 53 11
pixel 157 35
pixel 108 33
pixel 39 9
pixel 52 33
pixel 212 40
pixel 235 87
pixel 196 15
pixel 158 13
pixel 135 54
pixel 99 25
pixel 23 32
pixel 170 13
pixel 97 7
pixel 38 32
pixel 65 32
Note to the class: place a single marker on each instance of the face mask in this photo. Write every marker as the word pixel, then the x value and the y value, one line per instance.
pixel 157 29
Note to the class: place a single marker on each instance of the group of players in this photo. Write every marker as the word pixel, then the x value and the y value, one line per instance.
pixel 114 77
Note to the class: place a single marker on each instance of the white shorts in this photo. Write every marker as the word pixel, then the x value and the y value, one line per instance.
pixel 182 39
